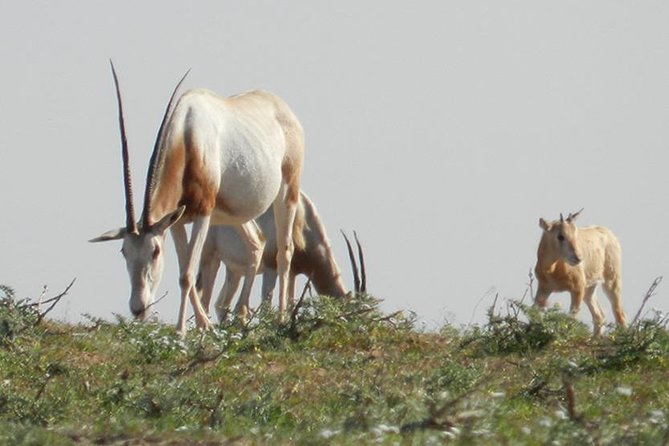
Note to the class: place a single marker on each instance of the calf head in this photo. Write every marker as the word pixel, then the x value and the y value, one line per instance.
pixel 562 237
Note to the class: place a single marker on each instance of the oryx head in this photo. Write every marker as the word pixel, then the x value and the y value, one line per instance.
pixel 142 242
pixel 561 235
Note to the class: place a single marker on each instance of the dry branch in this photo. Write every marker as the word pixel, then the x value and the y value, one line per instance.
pixel 650 293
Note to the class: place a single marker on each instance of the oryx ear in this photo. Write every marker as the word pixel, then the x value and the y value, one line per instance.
pixel 114 234
pixel 543 224
pixel 168 220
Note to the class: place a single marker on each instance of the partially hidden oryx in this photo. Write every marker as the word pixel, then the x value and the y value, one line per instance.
pixel 575 260
pixel 315 260
pixel 215 161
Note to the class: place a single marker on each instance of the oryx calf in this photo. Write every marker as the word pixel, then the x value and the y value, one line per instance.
pixel 314 259
pixel 575 260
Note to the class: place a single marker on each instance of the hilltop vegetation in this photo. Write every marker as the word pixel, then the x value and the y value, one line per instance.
pixel 341 372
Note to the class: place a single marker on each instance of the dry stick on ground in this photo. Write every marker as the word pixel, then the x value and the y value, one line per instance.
pixel 650 293
pixel 439 418
pixel 300 302
pixel 571 402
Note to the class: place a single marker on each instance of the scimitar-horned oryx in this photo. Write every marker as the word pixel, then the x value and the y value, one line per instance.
pixel 215 161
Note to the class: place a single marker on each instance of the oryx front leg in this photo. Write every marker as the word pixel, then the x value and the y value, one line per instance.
pixel 576 300
pixel 188 254
pixel 209 265
pixel 230 286
pixel 541 298
pixel 255 245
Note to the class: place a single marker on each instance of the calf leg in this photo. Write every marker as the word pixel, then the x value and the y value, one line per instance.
pixel 576 300
pixel 595 310
pixel 541 298
pixel 612 289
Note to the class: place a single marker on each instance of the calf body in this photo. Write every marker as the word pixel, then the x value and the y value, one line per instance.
pixel 577 260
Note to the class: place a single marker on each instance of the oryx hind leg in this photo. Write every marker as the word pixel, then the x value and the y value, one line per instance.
pixel 255 245
pixel 285 209
pixel 209 266
pixel 268 284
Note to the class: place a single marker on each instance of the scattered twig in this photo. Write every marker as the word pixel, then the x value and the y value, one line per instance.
pixel 292 329
pixel 53 301
pixel 650 293
pixel 198 360
pixel 156 301
pixel 530 286
pixel 389 318
pixel 439 418
pixel 476 307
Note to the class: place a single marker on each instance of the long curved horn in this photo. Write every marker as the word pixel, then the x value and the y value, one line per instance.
pixel 150 175
pixel 130 223
pixel 354 266
pixel 361 257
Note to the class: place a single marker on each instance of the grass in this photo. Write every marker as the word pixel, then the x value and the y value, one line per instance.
pixel 340 373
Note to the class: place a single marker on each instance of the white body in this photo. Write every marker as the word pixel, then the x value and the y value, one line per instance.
pixel 216 161
pixel 577 260
pixel 224 244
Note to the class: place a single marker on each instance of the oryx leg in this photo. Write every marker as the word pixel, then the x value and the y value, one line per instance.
pixel 228 291
pixel 612 289
pixel 591 301
pixel 268 284
pixel 209 265
pixel 189 254
pixel 576 300
pixel 291 288
pixel 285 208
pixel 541 298
pixel 255 244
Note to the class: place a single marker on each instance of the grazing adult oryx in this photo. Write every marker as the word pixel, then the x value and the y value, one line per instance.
pixel 575 260
pixel 315 260
pixel 215 161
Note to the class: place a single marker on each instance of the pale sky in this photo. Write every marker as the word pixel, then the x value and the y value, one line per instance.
pixel 441 131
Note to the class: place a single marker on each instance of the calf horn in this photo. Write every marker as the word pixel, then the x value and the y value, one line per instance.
pixel 574 215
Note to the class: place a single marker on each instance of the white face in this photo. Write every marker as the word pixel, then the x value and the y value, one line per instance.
pixel 144 259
